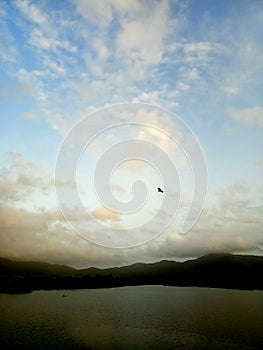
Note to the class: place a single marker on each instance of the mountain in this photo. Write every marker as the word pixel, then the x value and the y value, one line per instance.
pixel 213 270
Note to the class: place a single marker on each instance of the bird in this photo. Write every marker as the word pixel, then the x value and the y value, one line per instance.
pixel 159 190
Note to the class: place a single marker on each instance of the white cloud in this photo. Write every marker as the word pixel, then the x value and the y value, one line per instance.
pixel 98 82
pixel 142 40
pixel 163 97
pixel 237 206
pixel 151 97
pixel 101 49
pixel 191 74
pixel 241 74
pixel 8 51
pixel 253 115
pixel 32 11
pixel 182 86
pixel 231 90
pixel 54 66
pixel 102 13
pixel 104 214
pixel 200 243
pixel 48 40
pixel 32 85
pixel 22 178
pixel 202 49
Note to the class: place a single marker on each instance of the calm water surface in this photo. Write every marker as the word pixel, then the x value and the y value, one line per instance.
pixel 148 317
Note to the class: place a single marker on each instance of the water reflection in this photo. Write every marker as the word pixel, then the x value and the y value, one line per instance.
pixel 150 317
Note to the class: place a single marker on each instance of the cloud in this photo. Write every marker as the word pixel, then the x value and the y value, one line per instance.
pixel 259 163
pixel 253 115
pixel 101 13
pixel 104 214
pixel 102 51
pixel 117 188
pixel 8 50
pixel 131 40
pixel 231 90
pixel 22 178
pixel 212 241
pixel 151 97
pixel 39 236
pixel 139 43
pixel 201 52
pixel 236 207
pixel 23 222
pixel 163 97
pixel 43 34
pixel 141 40
pixel 47 40
pixel 44 235
pixel 232 226
pixel 32 11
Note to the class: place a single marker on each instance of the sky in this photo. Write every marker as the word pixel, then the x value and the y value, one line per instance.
pixel 101 102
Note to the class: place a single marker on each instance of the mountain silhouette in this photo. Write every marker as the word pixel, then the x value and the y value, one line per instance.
pixel 213 270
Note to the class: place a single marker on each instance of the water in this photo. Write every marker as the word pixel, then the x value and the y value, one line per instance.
pixel 148 317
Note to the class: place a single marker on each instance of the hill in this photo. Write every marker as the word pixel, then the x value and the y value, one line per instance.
pixel 213 270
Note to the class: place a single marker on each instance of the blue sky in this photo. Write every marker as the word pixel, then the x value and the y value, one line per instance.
pixel 61 61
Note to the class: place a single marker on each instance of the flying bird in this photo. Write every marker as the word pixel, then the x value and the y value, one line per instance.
pixel 159 190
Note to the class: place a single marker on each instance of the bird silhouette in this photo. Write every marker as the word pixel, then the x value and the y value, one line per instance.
pixel 159 190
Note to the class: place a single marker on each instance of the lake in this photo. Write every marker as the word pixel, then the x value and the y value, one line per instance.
pixel 145 317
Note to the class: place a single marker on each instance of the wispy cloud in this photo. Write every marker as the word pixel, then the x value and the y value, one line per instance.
pixel 31 11
pixel 252 115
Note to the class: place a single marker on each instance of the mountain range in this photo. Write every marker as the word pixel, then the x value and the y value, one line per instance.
pixel 213 270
